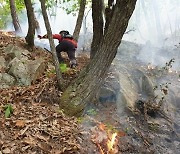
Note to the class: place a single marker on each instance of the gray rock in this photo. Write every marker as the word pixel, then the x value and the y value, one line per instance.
pixel 26 71
pixel 124 85
pixel 128 94
pixel 36 68
pixel 6 80
pixel 110 89
pixel 12 51
pixel 2 63
pixel 20 69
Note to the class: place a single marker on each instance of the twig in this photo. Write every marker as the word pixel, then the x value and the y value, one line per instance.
pixel 48 51
pixel 143 138
pixel 131 30
pixel 24 130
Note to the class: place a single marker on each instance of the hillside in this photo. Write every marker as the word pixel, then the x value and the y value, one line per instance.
pixel 36 125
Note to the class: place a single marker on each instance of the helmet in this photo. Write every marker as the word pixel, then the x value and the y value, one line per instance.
pixel 64 32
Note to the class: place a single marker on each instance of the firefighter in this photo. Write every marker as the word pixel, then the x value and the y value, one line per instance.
pixel 66 44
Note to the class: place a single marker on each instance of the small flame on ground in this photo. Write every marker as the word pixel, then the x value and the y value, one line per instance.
pixel 111 143
pixel 107 142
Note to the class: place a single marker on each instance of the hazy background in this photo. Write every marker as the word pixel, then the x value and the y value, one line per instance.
pixel 155 23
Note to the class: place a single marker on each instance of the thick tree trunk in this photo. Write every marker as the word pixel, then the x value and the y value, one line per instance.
pixel 14 16
pixel 31 29
pixel 97 15
pixel 83 89
pixel 79 20
pixel 49 33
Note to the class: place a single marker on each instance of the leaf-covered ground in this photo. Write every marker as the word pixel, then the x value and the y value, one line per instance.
pixel 36 124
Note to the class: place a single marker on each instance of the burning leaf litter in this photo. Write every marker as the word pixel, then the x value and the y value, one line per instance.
pixel 105 139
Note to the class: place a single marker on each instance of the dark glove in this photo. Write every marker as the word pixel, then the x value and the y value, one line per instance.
pixel 45 36
pixel 39 36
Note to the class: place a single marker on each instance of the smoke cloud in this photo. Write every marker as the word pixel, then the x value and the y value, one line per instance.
pixel 155 24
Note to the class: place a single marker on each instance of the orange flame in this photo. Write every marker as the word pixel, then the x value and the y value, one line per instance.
pixel 102 126
pixel 111 143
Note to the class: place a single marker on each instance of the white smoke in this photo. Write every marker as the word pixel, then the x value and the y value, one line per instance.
pixel 156 23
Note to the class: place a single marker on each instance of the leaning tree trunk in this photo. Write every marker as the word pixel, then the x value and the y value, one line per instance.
pixel 79 20
pixel 97 15
pixel 14 16
pixel 31 24
pixel 49 33
pixel 37 27
pixel 83 89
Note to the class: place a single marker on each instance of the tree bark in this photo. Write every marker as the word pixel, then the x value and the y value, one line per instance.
pixel 52 46
pixel 109 13
pixel 31 24
pixel 79 20
pixel 37 27
pixel 14 16
pixel 97 15
pixel 83 89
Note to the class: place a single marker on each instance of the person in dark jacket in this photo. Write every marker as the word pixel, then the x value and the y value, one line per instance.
pixel 66 44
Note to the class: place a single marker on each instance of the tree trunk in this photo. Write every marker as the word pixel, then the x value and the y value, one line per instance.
pixel 37 27
pixel 97 15
pixel 83 89
pixel 79 20
pixel 14 16
pixel 49 33
pixel 109 13
pixel 31 24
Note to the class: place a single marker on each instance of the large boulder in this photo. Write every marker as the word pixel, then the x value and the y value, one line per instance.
pixel 26 71
pixel 19 67
pixel 12 51
pixel 126 85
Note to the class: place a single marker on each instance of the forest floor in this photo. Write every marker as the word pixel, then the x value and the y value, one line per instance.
pixel 36 124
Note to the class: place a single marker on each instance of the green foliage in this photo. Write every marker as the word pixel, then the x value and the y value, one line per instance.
pixel 63 67
pixel 80 119
pixel 19 5
pixel 72 6
pixel 51 6
pixel 127 130
pixel 91 112
pixel 8 110
pixel 4 14
pixel 5 17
